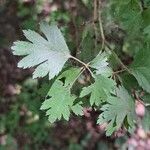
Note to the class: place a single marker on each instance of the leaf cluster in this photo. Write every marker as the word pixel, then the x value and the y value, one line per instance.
pixel 50 55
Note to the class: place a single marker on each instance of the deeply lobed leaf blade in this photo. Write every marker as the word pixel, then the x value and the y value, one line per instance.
pixel 48 55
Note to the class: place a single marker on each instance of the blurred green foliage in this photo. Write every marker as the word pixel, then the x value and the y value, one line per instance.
pixel 127 28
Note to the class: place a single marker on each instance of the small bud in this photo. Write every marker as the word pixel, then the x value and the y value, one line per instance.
pixel 141 133
pixel 140 109
pixel 133 142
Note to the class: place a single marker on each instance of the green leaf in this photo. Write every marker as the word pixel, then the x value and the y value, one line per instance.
pixel 129 81
pixel 147 32
pixel 100 90
pixel 146 16
pixel 70 75
pixel 116 110
pixel 141 68
pixel 60 102
pixel 101 65
pixel 128 13
pixel 77 109
pixel 49 55
pixel 132 22
pixel 88 50
pixel 146 120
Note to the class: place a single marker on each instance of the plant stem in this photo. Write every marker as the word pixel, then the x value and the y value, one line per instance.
pixel 119 71
pixel 101 26
pixel 104 42
pixel 122 64
pixel 84 64
pixel 95 12
pixel 117 58
pixel 82 70
pixel 78 60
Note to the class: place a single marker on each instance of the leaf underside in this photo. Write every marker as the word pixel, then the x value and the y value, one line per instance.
pixel 49 55
pixel 116 110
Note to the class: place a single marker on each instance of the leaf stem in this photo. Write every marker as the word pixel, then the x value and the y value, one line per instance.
pixel 119 71
pixel 95 12
pixel 101 26
pixel 117 58
pixel 84 64
pixel 82 70
pixel 104 42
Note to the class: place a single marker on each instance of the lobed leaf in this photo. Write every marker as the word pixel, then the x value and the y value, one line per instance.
pixel 140 68
pixel 49 55
pixel 99 90
pixel 101 65
pixel 60 102
pixel 116 110
pixel 70 76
